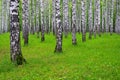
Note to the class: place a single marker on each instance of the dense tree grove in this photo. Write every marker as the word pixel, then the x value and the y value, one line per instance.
pixel 60 17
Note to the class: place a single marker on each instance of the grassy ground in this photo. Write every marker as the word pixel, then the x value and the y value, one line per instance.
pixel 96 59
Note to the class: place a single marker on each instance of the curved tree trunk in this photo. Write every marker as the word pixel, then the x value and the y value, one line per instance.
pixel 16 54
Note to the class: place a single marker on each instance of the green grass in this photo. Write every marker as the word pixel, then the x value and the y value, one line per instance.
pixel 96 59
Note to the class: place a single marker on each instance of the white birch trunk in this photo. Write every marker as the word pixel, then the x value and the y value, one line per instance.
pixel 74 41
pixel 15 47
pixel 83 18
pixel 117 29
pixel 37 18
pixel 25 22
pixel 58 47
pixel 42 21
pixel 90 21
pixel 65 18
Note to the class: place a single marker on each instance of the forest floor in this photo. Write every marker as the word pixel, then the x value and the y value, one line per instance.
pixel 96 59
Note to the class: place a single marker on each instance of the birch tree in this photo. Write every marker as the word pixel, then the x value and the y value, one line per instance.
pixel 16 53
pixel 65 17
pixel 95 19
pixel 98 17
pixel 83 20
pixel 3 15
pixel 25 22
pixel 0 18
pixel 37 18
pixel 90 19
pixel 49 16
pixel 106 17
pixel 103 15
pixel 79 16
pixel 74 41
pixel 58 47
pixel 53 17
pixel 111 16
pixel 117 29
pixel 42 21
pixel 32 30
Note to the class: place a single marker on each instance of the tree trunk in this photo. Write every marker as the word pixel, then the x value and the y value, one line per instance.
pixel 111 16
pixel 74 41
pixel 103 16
pixel 0 18
pixel 42 21
pixel 53 18
pixel 98 17
pixel 65 18
pixel 25 22
pixel 106 17
pixel 83 21
pixel 90 20
pixel 3 15
pixel 33 17
pixel 37 18
pixel 79 16
pixel 49 16
pixel 16 54
pixel 95 19
pixel 58 47
pixel 117 29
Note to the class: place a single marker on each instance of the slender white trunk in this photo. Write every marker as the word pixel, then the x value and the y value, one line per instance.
pixel 37 18
pixel 42 21
pixel 117 29
pixel 53 17
pixel 111 16
pixel 79 16
pixel 74 41
pixel 58 47
pixel 103 15
pixel 0 18
pixel 83 20
pixel 65 18
pixel 3 15
pixel 98 17
pixel 90 21
pixel 49 16
pixel 33 16
pixel 106 17
pixel 25 22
